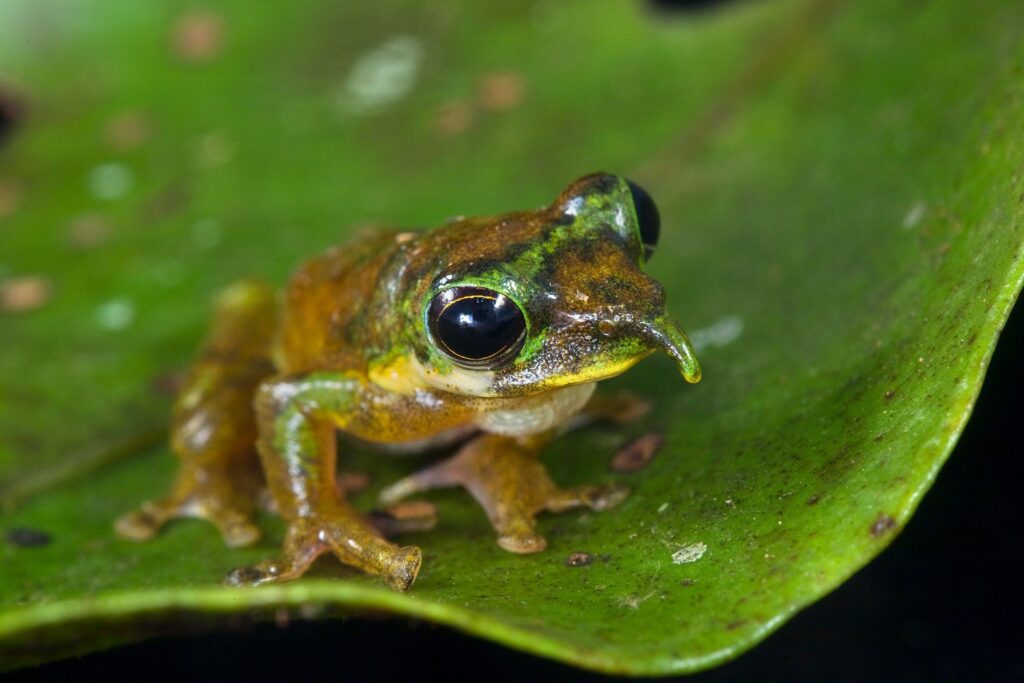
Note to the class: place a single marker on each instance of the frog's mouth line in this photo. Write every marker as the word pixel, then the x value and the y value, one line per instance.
pixel 662 333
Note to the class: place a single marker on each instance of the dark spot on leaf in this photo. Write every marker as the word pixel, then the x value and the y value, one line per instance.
pixel 732 626
pixel 88 231
pixel 638 453
pixel 167 203
pixel 11 113
pixel 687 582
pixel 198 36
pixel 579 559
pixel 882 524
pixel 686 6
pixel 454 117
pixel 813 500
pixel 502 90
pixel 889 394
pixel 878 437
pixel 24 294
pixel 128 130
pixel 26 537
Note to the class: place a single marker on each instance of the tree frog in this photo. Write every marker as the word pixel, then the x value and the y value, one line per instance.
pixel 489 331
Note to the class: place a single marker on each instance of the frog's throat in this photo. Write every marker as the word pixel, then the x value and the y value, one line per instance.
pixel 664 333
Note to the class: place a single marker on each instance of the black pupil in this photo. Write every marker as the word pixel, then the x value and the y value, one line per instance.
pixel 475 324
pixel 648 218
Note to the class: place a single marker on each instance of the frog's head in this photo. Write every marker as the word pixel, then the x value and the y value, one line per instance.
pixel 531 301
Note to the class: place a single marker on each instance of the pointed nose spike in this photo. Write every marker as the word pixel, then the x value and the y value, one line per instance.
pixel 669 336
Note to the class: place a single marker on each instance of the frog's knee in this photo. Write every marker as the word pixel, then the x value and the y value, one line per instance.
pixel 251 295
pixel 139 525
pixel 239 533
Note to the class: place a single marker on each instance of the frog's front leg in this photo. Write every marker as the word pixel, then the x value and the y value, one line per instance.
pixel 297 422
pixel 504 475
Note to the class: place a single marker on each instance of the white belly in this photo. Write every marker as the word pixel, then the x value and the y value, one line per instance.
pixel 535 414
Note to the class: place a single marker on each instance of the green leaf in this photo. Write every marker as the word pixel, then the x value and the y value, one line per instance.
pixel 841 186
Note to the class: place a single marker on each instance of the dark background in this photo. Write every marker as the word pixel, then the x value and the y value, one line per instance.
pixel 942 603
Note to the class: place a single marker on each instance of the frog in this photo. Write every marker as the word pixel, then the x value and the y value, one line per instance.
pixel 489 333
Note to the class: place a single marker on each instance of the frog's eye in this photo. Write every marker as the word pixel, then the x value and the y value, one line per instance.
pixel 477 327
pixel 647 217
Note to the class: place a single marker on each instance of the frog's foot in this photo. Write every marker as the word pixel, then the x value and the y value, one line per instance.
pixel 511 485
pixel 341 531
pixel 226 501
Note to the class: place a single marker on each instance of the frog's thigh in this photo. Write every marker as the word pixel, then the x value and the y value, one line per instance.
pixel 213 430
pixel 297 422
pixel 504 475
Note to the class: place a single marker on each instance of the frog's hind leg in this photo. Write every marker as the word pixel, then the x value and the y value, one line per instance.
pixel 504 475
pixel 213 428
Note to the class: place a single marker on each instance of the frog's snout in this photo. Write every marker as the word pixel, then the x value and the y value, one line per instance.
pixel 665 333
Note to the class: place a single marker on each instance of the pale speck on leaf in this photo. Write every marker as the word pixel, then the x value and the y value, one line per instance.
pixel 381 77
pixel 722 332
pixel 110 181
pixel 914 215
pixel 116 314
pixel 689 553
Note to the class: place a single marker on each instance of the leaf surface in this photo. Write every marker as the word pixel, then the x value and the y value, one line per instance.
pixel 841 190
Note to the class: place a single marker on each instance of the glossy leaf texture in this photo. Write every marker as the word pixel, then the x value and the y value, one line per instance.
pixel 840 185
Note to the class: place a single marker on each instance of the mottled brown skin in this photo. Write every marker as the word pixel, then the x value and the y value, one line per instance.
pixel 350 350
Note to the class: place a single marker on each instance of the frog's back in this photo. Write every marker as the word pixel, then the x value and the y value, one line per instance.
pixel 325 304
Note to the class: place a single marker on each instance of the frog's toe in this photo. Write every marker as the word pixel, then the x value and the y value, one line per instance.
pixel 595 497
pixel 239 533
pixel 350 539
pixel 142 524
pixel 254 575
pixel 233 521
pixel 522 543
pixel 605 496
pixel 405 566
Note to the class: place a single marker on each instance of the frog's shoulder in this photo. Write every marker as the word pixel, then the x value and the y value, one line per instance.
pixel 326 296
